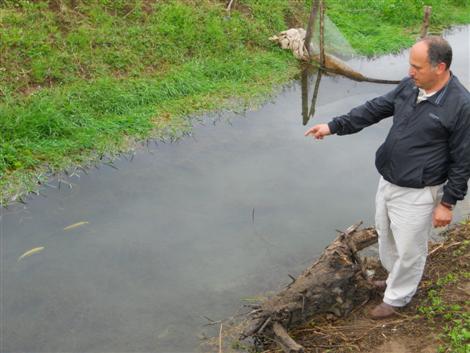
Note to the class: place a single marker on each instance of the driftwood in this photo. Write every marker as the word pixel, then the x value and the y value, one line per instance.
pixel 286 341
pixel 338 66
pixel 335 283
pixel 294 39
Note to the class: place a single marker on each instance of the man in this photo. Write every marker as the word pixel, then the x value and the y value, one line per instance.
pixel 424 163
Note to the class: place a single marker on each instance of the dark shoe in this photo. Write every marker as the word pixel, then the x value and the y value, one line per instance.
pixel 381 285
pixel 382 311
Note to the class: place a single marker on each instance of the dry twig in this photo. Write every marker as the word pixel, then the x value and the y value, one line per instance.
pixel 229 6
pixel 220 338
pixel 435 249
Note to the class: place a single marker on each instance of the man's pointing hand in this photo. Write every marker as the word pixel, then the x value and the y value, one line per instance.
pixel 318 131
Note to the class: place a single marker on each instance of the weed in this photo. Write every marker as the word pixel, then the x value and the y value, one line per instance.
pixel 449 278
pixel 456 331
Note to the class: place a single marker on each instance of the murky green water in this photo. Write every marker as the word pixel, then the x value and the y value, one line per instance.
pixel 187 230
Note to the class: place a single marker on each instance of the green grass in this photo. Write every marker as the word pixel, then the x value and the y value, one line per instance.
pixel 376 27
pixel 77 83
pixel 44 46
pixel 80 82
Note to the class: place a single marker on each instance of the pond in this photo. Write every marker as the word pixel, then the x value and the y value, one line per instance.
pixel 188 230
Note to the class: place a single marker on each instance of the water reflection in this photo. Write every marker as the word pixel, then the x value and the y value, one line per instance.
pixel 304 94
pixel 305 76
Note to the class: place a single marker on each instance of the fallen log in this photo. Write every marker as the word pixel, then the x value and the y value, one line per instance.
pixel 294 39
pixel 335 283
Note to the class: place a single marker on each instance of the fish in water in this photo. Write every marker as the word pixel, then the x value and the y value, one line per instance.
pixel 31 252
pixel 75 225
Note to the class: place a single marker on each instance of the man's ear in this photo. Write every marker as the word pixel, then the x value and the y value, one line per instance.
pixel 441 68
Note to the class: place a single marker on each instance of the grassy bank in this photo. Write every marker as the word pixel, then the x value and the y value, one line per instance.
pixel 86 78
pixel 383 26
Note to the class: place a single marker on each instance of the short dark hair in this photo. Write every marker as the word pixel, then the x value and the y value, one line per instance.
pixel 439 50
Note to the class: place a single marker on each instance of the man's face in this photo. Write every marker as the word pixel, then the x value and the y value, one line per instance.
pixel 421 71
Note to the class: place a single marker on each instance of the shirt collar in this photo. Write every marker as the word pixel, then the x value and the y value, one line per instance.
pixel 439 97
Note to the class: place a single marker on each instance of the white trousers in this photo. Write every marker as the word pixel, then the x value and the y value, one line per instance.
pixel 403 220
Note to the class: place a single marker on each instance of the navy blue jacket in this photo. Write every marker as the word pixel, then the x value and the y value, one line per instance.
pixel 428 143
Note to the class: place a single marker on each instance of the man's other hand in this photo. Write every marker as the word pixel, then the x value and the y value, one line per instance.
pixel 318 131
pixel 442 216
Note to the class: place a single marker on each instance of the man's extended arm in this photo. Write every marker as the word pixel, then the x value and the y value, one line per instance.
pixel 360 117
pixel 364 115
